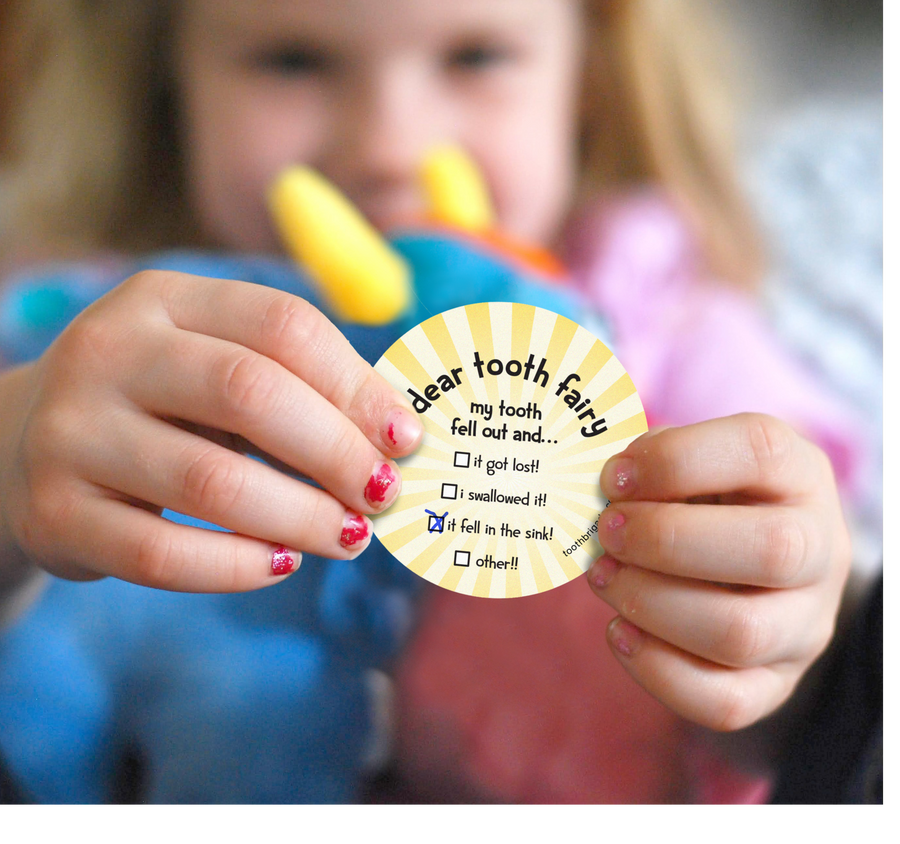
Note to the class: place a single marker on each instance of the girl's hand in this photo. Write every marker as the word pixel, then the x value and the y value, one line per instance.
pixel 726 555
pixel 149 400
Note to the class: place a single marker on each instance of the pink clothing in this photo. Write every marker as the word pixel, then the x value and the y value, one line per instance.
pixel 521 701
pixel 695 349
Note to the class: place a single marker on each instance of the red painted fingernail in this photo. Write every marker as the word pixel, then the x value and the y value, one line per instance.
pixel 602 571
pixel 381 487
pixel 401 429
pixel 356 530
pixel 624 636
pixel 284 561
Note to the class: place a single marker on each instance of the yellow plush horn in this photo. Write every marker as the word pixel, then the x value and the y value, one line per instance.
pixel 362 278
pixel 455 191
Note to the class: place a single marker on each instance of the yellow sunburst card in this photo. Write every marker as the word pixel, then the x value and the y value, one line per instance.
pixel 521 409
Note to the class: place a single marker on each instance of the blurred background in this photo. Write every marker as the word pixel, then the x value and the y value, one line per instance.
pixel 823 51
pixel 812 156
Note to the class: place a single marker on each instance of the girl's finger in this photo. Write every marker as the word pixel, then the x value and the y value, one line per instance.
pixel 191 475
pixel 711 695
pixel 222 385
pixel 749 454
pixel 115 538
pixel 289 330
pixel 774 546
pixel 738 628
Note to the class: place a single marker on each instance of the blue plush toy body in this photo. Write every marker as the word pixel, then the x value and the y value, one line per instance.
pixel 257 697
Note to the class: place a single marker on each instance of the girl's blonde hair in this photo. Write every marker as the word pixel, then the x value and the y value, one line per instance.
pixel 90 152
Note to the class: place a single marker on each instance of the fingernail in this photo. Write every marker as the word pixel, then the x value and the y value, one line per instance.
pixel 618 477
pixel 612 537
pixel 355 531
pixel 624 636
pixel 382 487
pixel 285 561
pixel 401 430
pixel 602 571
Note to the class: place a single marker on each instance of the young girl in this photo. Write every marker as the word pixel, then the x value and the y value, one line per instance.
pixel 158 125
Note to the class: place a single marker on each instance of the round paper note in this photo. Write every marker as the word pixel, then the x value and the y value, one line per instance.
pixel 521 409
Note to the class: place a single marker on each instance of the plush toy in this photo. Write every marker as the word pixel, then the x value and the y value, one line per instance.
pixel 110 691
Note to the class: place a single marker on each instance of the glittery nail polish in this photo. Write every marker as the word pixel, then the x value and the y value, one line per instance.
pixel 612 536
pixel 355 530
pixel 284 561
pixel 619 476
pixel 380 487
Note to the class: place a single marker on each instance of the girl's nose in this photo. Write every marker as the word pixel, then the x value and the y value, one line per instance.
pixel 389 126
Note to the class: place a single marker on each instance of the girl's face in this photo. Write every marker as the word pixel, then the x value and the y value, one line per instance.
pixel 361 89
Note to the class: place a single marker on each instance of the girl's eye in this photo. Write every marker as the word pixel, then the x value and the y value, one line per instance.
pixel 475 57
pixel 293 61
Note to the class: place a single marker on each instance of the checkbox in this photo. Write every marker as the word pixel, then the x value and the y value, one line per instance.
pixel 461 459
pixel 449 491
pixel 436 524
pixel 461 558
